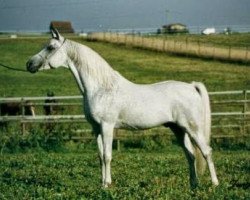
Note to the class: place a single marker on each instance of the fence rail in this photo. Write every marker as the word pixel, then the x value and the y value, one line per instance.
pixel 186 47
pixel 221 119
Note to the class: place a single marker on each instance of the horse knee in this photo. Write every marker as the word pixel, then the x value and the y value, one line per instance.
pixel 201 143
pixel 207 152
pixel 107 158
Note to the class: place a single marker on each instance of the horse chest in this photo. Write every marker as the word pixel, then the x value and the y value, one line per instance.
pixel 100 108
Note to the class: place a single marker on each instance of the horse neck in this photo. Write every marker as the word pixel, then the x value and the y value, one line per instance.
pixel 91 71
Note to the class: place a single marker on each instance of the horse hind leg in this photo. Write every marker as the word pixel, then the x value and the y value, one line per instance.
pixel 186 144
pixel 206 151
pixel 191 157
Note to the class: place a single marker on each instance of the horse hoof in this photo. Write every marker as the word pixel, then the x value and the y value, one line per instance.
pixel 106 185
pixel 216 183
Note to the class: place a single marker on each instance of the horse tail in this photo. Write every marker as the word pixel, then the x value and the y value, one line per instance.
pixel 201 89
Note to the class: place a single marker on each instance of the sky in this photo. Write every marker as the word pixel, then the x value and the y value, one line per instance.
pixel 36 15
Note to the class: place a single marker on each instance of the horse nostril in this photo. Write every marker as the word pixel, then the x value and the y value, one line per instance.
pixel 30 66
pixel 34 63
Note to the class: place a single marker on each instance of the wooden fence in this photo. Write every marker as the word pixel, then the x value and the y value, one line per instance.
pixel 230 113
pixel 171 45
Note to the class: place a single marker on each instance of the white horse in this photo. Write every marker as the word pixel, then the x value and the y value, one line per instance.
pixel 111 101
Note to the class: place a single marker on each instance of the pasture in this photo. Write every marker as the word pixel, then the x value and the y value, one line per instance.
pixel 137 174
pixel 140 66
pixel 73 171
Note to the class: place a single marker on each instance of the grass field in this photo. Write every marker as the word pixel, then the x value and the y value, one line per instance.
pixel 140 66
pixel 137 173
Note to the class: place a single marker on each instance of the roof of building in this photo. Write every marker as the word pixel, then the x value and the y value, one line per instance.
pixel 62 26
pixel 174 25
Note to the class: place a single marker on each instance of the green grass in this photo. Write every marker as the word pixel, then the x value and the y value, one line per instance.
pixel 140 66
pixel 136 175
pixel 14 83
pixel 137 65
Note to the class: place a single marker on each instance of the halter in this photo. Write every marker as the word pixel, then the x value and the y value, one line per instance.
pixel 45 59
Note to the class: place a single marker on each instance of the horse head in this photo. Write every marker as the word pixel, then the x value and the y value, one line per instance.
pixel 50 57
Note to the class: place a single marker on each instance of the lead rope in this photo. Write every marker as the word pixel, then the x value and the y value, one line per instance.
pixel 13 68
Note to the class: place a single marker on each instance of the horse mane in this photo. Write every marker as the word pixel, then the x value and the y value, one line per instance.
pixel 92 64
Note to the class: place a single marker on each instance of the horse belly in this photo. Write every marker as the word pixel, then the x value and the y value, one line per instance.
pixel 144 117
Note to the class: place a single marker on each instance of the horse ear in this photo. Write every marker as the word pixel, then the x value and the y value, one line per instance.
pixel 55 34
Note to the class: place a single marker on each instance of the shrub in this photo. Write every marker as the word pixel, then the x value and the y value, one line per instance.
pixel 12 140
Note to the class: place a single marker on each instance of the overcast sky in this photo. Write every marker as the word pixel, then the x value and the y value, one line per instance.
pixel 35 15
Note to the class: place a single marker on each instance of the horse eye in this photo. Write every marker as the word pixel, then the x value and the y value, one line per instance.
pixel 50 47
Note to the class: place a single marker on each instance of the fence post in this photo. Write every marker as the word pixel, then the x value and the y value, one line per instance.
pixel 229 52
pixel 244 112
pixel 133 38
pixel 166 43
pixel 151 43
pixel 125 39
pixel 174 46
pixel 110 36
pixel 213 51
pixel 163 45
pixel 118 145
pixel 246 55
pixel 199 48
pixel 117 39
pixel 142 42
pixel 186 46
pixel 104 36
pixel 23 114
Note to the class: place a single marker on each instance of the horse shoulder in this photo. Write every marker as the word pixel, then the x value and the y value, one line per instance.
pixel 103 106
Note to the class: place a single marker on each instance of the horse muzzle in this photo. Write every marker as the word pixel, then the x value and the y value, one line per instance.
pixel 33 65
pixel 30 67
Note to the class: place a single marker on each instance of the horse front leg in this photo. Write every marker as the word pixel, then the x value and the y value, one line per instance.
pixel 107 137
pixel 101 156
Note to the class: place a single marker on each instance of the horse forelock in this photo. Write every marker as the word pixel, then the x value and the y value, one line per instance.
pixel 92 64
